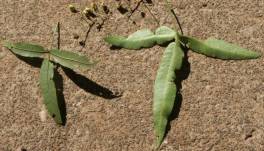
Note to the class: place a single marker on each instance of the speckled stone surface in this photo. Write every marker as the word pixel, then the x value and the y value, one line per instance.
pixel 222 106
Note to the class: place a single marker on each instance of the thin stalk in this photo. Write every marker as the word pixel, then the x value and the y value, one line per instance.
pixel 56 36
pixel 133 10
pixel 170 9
pixel 56 40
pixel 87 33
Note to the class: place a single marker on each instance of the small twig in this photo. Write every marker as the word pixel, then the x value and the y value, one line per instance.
pixel 177 20
pixel 56 40
pixel 87 33
pixel 56 36
pixel 169 7
pixel 85 19
pixel 133 10
pixel 100 25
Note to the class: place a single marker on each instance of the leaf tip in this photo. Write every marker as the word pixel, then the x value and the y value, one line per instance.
pixel 114 40
pixel 7 44
pixel 108 39
pixel 58 119
pixel 258 55
pixel 95 62
pixel 158 143
pixel 253 55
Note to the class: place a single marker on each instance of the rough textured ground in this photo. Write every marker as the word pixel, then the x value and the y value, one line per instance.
pixel 222 105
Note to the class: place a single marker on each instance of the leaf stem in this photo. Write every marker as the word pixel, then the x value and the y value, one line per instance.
pixel 56 40
pixel 87 33
pixel 170 9
pixel 56 35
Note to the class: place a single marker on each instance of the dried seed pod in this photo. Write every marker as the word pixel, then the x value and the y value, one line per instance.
pixel 73 9
pixel 94 7
pixel 88 12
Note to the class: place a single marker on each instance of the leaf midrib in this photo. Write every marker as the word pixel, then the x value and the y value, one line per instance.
pixel 149 37
pixel 48 80
pixel 70 59
pixel 13 47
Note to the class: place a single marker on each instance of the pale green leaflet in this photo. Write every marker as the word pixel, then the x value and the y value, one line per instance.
pixel 144 38
pixel 165 88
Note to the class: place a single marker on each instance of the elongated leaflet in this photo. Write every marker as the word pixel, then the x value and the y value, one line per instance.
pixel 218 49
pixel 70 60
pixel 144 38
pixel 165 88
pixel 48 90
pixel 141 39
pixel 26 49
pixel 164 34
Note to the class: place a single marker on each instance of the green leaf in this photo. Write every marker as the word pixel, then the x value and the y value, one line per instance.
pixel 165 88
pixel 70 60
pixel 143 38
pixel 164 34
pixel 48 90
pixel 219 49
pixel 26 49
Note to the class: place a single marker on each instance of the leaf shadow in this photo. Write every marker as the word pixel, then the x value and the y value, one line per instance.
pixel 165 44
pixel 181 75
pixel 132 11
pixel 115 48
pixel 89 85
pixel 61 100
pixel 35 62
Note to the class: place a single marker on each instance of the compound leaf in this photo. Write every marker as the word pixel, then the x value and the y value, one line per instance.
pixel 143 38
pixel 70 60
pixel 48 90
pixel 219 49
pixel 26 49
pixel 165 88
